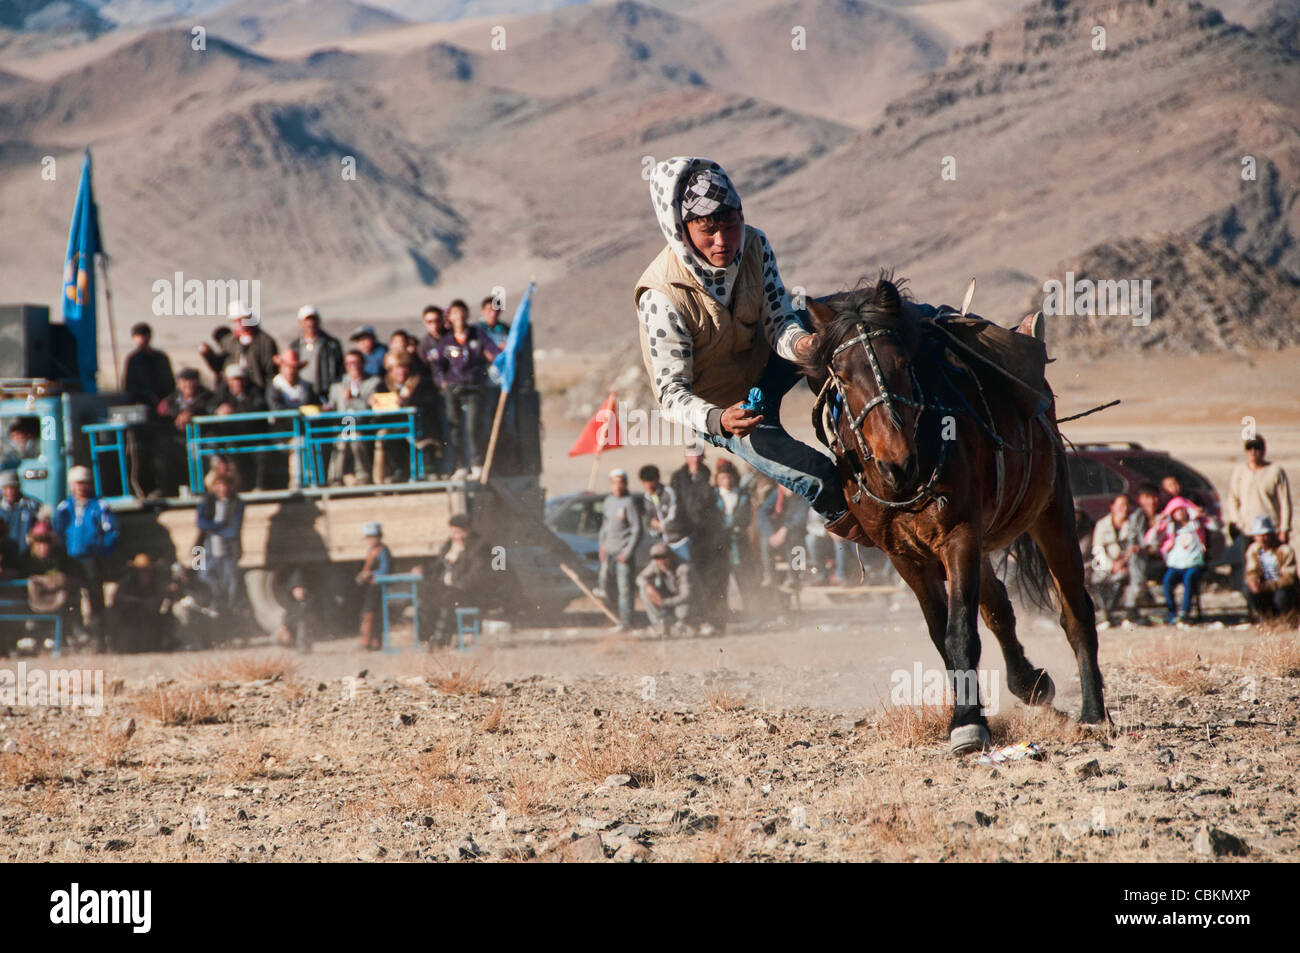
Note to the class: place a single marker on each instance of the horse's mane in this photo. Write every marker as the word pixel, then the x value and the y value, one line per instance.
pixel 876 306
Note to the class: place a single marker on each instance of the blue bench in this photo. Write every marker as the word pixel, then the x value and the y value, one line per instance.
pixel 400 588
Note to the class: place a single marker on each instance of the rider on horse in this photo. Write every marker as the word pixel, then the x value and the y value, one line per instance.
pixel 716 321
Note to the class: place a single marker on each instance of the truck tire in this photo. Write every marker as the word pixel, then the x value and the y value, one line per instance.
pixel 262 598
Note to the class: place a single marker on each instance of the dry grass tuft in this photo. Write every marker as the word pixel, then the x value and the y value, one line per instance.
pixel 634 750
pixel 108 743
pixel 913 726
pixel 457 678
pixel 1177 665
pixel 1278 655
pixel 184 706
pixel 1038 723
pixel 528 789
pixel 492 721
pixel 719 699
pixel 246 667
pixel 34 762
pixel 725 844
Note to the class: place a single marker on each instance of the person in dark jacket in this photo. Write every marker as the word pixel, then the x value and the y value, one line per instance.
pixel 698 500
pixel 460 365
pixel 320 353
pixel 148 378
pixel 461 576
pixel 379 562
pixel 140 623
pixel 19 514
pixel 737 515
pixel 412 388
pixel 237 397
pixel 302 614
pixel 220 518
pixel 247 345
pixel 190 399
pixel 782 525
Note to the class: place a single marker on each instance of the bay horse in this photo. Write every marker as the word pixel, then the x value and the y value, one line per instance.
pixel 941 472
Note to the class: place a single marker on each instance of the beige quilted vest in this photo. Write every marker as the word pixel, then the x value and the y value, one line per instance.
pixel 730 348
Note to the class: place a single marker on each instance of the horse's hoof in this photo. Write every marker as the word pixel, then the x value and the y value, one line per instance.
pixel 967 739
pixel 1043 690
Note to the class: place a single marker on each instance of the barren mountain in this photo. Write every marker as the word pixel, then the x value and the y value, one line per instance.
pixel 1203 298
pixel 301 22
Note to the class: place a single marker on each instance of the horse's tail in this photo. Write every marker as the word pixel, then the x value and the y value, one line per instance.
pixel 1024 567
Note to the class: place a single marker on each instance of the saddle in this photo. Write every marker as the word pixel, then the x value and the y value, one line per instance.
pixel 1002 360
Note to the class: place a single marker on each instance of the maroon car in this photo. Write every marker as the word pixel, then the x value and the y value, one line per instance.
pixel 1101 471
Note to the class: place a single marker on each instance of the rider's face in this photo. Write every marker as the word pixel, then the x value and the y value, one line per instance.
pixel 718 241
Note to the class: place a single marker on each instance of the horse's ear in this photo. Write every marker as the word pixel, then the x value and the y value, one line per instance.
pixel 886 298
pixel 821 314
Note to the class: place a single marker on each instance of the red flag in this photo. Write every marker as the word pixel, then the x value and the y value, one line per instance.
pixel 601 432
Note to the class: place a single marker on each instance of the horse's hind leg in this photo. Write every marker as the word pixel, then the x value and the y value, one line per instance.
pixel 1033 686
pixel 1053 532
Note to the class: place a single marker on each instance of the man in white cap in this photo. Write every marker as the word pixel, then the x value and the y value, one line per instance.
pixel 247 345
pixel 321 353
pixel 19 514
pixel 89 532
pixel 621 529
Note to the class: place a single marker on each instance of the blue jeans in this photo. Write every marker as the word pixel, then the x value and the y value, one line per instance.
pixel 771 451
pixel 1191 579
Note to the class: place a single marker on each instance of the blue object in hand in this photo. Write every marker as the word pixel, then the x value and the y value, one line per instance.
pixel 754 402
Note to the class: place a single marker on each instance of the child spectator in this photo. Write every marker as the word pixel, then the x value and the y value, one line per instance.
pixel 379 562
pixel 89 532
pixel 220 517
pixel 302 615
pixel 1183 547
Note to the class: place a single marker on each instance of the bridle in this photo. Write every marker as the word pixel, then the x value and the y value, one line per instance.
pixel 891 402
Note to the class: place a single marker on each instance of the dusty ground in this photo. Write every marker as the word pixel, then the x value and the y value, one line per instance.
pixel 257 755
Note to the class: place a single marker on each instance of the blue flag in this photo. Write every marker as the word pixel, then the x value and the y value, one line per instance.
pixel 79 279
pixel 509 356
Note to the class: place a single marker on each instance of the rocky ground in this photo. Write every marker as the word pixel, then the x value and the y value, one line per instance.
pixel 255 755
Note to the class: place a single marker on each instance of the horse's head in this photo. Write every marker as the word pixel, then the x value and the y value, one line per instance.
pixel 867 341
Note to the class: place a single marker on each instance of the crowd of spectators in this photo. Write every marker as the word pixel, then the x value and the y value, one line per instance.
pixel 444 374
pixel 1168 539
pixel 713 535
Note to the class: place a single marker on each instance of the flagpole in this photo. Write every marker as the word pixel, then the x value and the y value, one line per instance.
pixel 501 409
pixel 112 325
pixel 595 467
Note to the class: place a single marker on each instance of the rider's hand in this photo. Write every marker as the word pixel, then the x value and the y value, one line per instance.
pixel 804 347
pixel 739 421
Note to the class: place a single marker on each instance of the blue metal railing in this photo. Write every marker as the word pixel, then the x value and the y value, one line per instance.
pixel 305 435
pixel 108 438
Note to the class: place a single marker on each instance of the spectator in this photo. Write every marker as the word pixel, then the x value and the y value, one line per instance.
pixel 353 458
pixel 492 323
pixel 22 442
pixel 1259 487
pixel 89 532
pixel 19 513
pixel 220 518
pixel 288 389
pixel 669 588
pixel 621 529
pixel 190 399
pixel 52 578
pixel 782 520
pixel 148 379
pixel 737 514
pixel 246 345
pixel 414 389
pixel 1183 547
pixel 1270 572
pixel 460 365
pixel 667 518
pixel 140 620
pixel 697 497
pixel 1115 539
pixel 373 353
pixel 302 615
pixel 461 578
pixel 237 397
pixel 321 354
pixel 435 326
pixel 378 562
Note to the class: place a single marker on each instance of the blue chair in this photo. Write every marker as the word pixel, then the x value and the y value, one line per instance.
pixel 400 588
pixel 467 623
pixel 19 609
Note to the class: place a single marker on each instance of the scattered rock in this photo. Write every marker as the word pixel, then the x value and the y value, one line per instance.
pixel 617 781
pixel 633 853
pixel 1084 767
pixel 985 820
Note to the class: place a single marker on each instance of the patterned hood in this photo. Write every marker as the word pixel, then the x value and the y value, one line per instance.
pixel 666 185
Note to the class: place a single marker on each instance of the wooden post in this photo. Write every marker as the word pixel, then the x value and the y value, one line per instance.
pixel 595 469
pixel 492 441
pixel 590 595
pixel 112 325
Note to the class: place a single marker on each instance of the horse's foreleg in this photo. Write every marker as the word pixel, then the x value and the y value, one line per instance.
pixel 926 581
pixel 968 730
pixel 1053 532
pixel 1033 686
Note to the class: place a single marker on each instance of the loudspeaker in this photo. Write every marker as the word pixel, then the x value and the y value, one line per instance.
pixel 25 346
